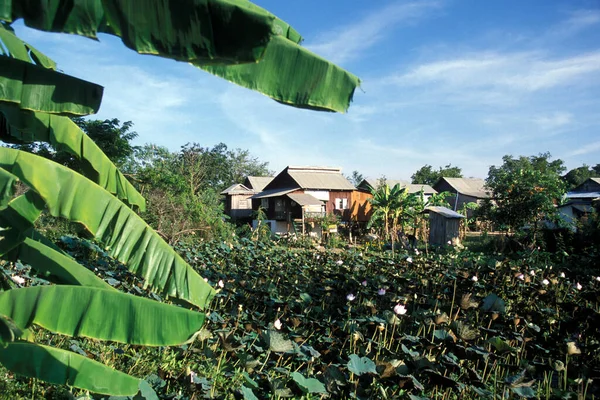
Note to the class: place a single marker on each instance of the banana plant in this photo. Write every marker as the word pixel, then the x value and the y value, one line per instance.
pixel 233 39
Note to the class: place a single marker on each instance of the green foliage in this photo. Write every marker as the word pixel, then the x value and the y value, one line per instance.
pixel 524 191
pixel 428 176
pixel 577 176
pixel 355 178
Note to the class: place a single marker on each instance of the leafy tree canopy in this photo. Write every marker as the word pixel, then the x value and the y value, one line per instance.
pixel 355 178
pixel 428 176
pixel 525 190
pixel 577 176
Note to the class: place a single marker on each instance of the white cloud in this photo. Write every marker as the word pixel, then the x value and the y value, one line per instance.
pixel 586 149
pixel 349 42
pixel 553 121
pixel 525 72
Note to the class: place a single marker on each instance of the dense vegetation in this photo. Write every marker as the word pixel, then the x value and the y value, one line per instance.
pixel 294 321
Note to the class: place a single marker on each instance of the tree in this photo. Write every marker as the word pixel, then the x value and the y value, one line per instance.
pixel 355 178
pixel 524 191
pixel 246 45
pixel 426 175
pixel 577 176
pixel 394 207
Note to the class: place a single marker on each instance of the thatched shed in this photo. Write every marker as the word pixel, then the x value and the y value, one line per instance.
pixel 444 225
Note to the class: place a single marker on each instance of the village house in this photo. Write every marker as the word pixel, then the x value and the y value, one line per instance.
pixel 462 191
pixel 579 204
pixel 238 204
pixel 298 196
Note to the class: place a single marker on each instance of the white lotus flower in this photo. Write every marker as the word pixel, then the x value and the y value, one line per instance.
pixel 545 282
pixel 521 277
pixel 221 284
pixel 578 286
pixel 18 279
pixel 350 297
pixel 277 324
pixel 400 309
pixel 474 278
pixel 409 259
pixel 339 262
pixel 562 275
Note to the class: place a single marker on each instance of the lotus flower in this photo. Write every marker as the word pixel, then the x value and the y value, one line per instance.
pixel 532 273
pixel 562 275
pixel 339 262
pixel 364 283
pixel 277 324
pixel 598 278
pixel 381 292
pixel 545 282
pixel 18 279
pixel 417 252
pixel 578 286
pixel 521 277
pixel 221 284
pixel 400 309
pixel 409 259
pixel 474 278
pixel 350 297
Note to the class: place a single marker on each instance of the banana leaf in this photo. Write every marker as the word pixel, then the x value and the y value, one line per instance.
pixel 7 185
pixel 36 88
pixel 64 134
pixel 54 265
pixel 66 368
pixel 207 31
pixel 127 237
pixel 16 48
pixel 293 75
pixel 17 218
pixel 95 313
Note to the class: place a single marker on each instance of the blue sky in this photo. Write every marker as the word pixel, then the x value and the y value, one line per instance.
pixel 443 81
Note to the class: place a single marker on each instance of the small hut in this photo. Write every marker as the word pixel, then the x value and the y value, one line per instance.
pixel 444 225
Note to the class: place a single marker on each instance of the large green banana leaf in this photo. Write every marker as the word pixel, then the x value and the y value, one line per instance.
pixel 16 48
pixel 127 237
pixel 7 185
pixel 36 88
pixel 281 69
pixel 19 241
pixel 81 311
pixel 66 368
pixel 64 134
pixel 54 265
pixel 293 75
pixel 208 31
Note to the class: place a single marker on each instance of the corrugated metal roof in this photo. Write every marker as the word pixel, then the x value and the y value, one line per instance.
pixel 319 178
pixel 582 195
pixel 473 187
pixel 446 212
pixel 272 193
pixel 258 183
pixel 305 199
pixel 237 188
pixel 597 180
pixel 411 187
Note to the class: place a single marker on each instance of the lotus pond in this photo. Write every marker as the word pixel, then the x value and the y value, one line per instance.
pixel 292 322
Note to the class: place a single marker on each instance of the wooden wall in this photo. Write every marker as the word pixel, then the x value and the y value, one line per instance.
pixel 442 229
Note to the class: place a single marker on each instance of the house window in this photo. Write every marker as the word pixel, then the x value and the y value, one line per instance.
pixel 341 203
pixel 264 203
